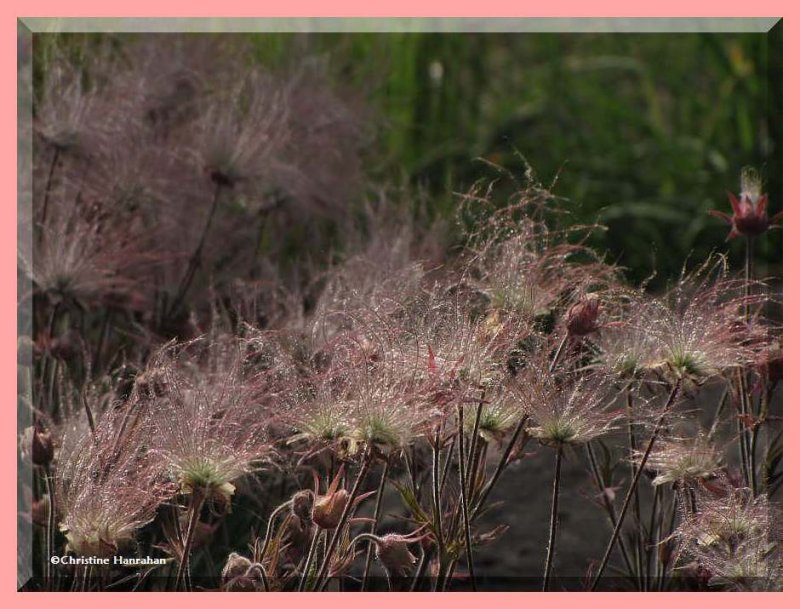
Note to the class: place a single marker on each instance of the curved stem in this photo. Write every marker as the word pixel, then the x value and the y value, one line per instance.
pixel 272 517
pixel 629 495
pixel 551 541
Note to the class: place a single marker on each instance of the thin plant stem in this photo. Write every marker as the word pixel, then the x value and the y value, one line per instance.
pixel 312 550
pixel 744 439
pixel 362 473
pixel 48 186
pixel 435 489
pixel 551 540
pixel 558 354
pixel 195 506
pixel 718 412
pixel 424 559
pixel 462 470
pixel 445 469
pixel 629 495
pixel 637 512
pixel 194 261
pixel 653 532
pixel 500 466
pixel 609 507
pixel 51 527
pixel 472 458
pixel 98 353
pixel 272 517
pixel 375 517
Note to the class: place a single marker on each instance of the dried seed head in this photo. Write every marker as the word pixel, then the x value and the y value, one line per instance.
pixel 701 329
pixel 734 538
pixel 498 417
pixel 210 427
pixel 683 460
pixel 108 484
pixel 571 413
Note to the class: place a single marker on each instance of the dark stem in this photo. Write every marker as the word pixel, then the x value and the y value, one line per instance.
pixel 500 466
pixel 558 354
pixel 375 516
pixel 462 471
pixel 609 507
pixel 472 459
pixel 421 570
pixel 98 353
pixel 654 532
pixel 741 418
pixel 629 495
pixel 309 559
pixel 194 261
pixel 50 173
pixel 362 473
pixel 195 506
pixel 272 517
pixel 551 541
pixel 637 512
pixel 51 527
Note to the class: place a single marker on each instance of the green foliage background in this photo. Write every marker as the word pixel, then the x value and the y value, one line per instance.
pixel 642 132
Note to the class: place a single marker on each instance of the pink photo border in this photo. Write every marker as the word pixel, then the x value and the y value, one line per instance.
pixel 789 10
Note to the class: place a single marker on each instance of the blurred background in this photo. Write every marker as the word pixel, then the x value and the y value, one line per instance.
pixel 643 133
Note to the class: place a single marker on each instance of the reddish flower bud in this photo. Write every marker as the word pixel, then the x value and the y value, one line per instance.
pixel 38 443
pixel 394 556
pixel 328 509
pixel 302 504
pixel 749 209
pixel 241 574
pixel 582 316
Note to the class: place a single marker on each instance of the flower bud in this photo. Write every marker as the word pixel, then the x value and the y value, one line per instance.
pixel 40 508
pixel 241 574
pixel 302 504
pixel 38 443
pixel 749 217
pixel 392 552
pixel 582 316
pixel 328 509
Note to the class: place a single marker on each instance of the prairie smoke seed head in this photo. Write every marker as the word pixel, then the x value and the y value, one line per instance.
pixel 574 413
pixel 684 460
